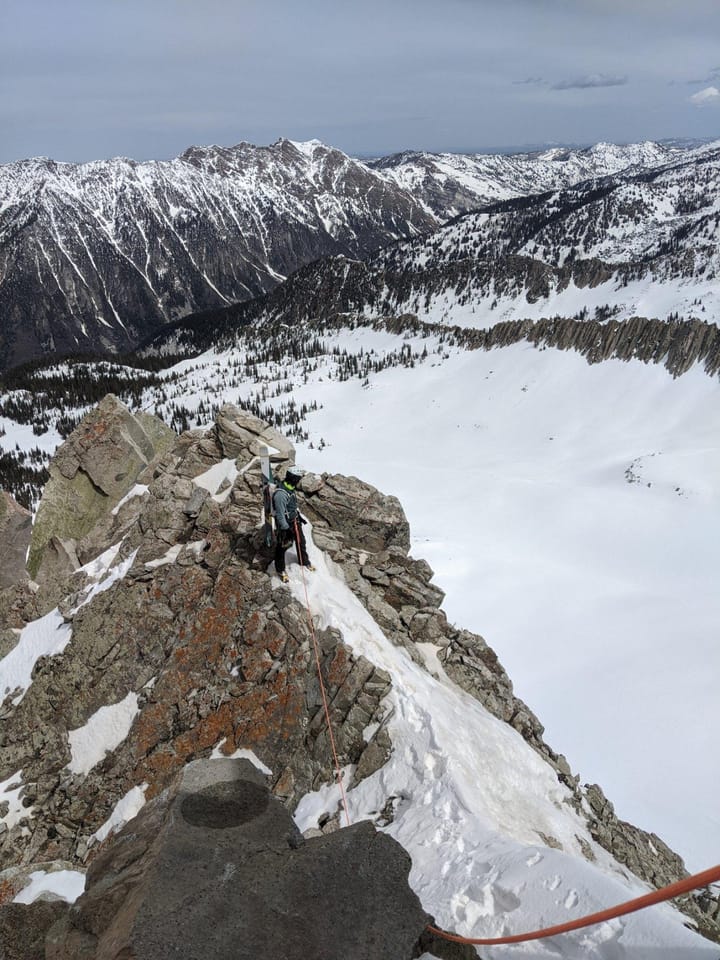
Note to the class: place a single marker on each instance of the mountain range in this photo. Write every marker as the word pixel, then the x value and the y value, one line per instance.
pixel 100 256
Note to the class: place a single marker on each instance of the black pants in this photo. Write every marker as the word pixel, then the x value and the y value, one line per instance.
pixel 288 538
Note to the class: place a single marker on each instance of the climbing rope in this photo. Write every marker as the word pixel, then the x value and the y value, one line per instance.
pixel 630 906
pixel 316 648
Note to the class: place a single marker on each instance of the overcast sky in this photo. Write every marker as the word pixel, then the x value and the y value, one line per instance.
pixel 89 79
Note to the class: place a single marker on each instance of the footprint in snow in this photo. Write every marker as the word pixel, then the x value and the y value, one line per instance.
pixel 571 900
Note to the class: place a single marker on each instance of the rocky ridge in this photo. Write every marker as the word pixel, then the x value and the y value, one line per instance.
pixel 174 614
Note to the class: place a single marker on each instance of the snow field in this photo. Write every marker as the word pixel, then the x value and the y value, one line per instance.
pixel 471 805
pixel 598 594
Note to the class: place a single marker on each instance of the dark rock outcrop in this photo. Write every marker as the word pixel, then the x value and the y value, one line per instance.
pixel 216 867
pixel 23 928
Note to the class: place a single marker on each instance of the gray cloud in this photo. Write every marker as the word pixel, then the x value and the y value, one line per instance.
pixel 712 77
pixel 591 80
pixel 83 80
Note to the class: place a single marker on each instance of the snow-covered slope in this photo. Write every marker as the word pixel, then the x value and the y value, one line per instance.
pixel 639 245
pixel 98 256
pixel 470 801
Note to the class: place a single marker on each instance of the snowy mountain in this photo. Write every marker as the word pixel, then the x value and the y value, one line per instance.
pixel 157 633
pixel 99 256
pixel 623 246
pixel 619 247
pixel 643 244
pixel 450 184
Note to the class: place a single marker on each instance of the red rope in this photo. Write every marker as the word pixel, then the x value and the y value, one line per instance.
pixel 316 648
pixel 657 896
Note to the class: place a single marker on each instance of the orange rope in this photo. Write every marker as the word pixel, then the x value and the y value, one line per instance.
pixel 657 896
pixel 316 648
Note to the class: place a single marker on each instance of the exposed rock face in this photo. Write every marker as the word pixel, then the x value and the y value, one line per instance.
pixel 93 470
pixel 216 867
pixel 215 657
pixel 23 928
pixel 15 527
pixel 212 652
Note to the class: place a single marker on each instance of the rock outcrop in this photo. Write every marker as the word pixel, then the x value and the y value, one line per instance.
pixel 216 867
pixel 90 473
pixel 15 527
pixel 24 927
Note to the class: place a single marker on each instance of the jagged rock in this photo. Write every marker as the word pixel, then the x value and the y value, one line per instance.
pixel 15 528
pixel 643 853
pixel 18 605
pixel 95 467
pixel 366 518
pixel 216 656
pixel 8 640
pixel 215 866
pixel 59 561
pixel 240 434
pixel 212 653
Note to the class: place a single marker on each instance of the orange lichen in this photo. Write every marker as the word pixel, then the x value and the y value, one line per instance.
pixel 7 891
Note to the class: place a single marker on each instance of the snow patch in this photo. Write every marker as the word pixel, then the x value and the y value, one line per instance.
pixel 104 573
pixel 10 791
pixel 125 809
pixel 46 637
pixel 240 754
pixel 139 490
pixel 170 557
pixel 218 480
pixel 105 730
pixel 66 884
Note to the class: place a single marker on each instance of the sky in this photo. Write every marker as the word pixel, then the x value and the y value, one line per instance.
pixel 90 79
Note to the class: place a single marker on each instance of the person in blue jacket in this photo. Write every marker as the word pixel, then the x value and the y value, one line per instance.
pixel 289 523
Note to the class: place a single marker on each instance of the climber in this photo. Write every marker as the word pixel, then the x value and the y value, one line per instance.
pixel 289 523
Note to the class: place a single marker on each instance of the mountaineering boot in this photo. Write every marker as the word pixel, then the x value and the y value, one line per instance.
pixel 310 567
pixel 284 577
